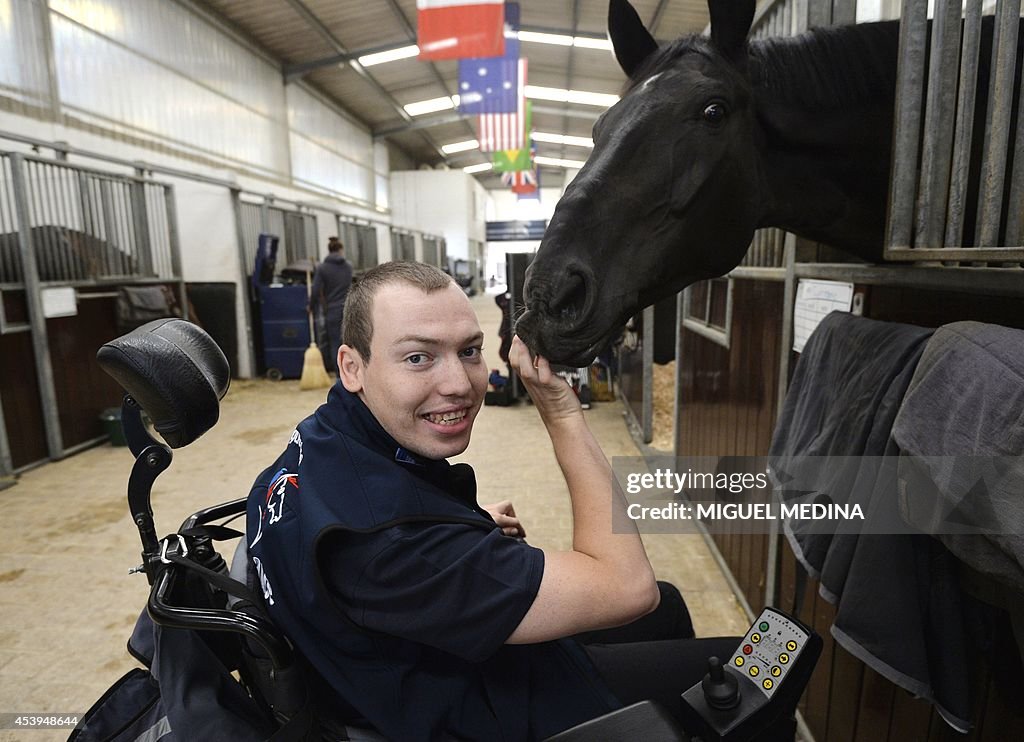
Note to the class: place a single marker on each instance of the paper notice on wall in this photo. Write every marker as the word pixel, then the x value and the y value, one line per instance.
pixel 59 302
pixel 815 299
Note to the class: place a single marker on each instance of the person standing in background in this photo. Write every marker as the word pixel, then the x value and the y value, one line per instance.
pixel 330 288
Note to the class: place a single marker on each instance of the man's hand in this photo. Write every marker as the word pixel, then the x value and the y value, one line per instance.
pixel 551 394
pixel 505 516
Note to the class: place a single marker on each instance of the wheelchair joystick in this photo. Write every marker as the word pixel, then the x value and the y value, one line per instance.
pixel 721 690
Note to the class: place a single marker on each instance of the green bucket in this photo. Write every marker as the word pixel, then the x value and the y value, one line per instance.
pixel 111 420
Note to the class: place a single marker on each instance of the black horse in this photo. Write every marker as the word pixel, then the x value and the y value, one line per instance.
pixel 712 139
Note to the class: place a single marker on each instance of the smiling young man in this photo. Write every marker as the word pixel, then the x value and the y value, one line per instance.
pixel 417 608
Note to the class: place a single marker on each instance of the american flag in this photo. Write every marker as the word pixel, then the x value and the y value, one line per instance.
pixel 499 131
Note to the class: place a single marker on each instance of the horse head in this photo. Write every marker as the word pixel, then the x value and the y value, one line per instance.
pixel 669 195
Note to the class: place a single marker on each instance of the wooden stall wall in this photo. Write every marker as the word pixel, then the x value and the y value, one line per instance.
pixel 728 406
pixel 19 388
pixel 82 388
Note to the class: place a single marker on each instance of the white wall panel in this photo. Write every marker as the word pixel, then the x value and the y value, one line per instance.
pixel 173 36
pixel 150 99
pixel 24 74
pixel 327 149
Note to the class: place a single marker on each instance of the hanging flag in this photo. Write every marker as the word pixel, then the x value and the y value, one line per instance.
pixel 530 192
pixel 498 131
pixel 509 160
pixel 512 160
pixel 491 85
pixel 522 182
pixel 456 29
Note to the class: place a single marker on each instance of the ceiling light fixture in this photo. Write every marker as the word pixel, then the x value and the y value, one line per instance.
pixel 561 95
pixel 391 55
pixel 556 39
pixel 541 136
pixel 451 149
pixel 444 103
pixel 482 167
pixel 559 162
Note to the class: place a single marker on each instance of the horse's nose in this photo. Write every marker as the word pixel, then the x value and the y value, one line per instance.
pixel 568 299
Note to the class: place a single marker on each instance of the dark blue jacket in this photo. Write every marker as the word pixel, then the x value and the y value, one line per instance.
pixel 332 281
pixel 343 479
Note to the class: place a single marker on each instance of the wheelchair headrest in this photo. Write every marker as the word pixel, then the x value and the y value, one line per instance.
pixel 175 372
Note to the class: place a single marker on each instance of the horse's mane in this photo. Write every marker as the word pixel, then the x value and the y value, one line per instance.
pixel 823 69
pixel 829 68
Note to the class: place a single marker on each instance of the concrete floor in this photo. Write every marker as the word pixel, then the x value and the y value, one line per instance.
pixel 67 602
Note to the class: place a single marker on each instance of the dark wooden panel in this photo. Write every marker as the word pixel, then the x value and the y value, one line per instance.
pixel 934 308
pixel 876 707
pixel 844 695
pixel 727 400
pixel 19 389
pixel 83 389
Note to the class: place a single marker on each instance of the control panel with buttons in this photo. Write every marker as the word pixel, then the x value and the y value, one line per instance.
pixel 772 645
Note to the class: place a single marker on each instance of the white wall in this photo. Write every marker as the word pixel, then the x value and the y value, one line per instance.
pixel 445 202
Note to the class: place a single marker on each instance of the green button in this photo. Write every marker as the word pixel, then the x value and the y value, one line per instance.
pixel 763 626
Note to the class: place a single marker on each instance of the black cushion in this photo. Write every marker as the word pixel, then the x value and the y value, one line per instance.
pixel 175 372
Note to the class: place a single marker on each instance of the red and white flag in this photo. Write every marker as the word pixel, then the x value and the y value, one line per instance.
pixel 457 29
pixel 522 181
pixel 502 131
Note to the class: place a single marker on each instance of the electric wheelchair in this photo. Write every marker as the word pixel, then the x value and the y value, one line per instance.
pixel 216 667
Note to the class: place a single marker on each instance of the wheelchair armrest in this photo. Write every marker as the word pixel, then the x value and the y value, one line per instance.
pixel 176 373
pixel 645 720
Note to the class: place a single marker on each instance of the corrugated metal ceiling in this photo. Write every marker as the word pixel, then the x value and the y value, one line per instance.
pixel 307 32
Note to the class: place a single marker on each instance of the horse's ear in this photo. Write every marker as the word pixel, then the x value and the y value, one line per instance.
pixel 631 41
pixel 730 24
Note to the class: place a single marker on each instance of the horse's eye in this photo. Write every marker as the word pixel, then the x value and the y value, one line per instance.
pixel 714 113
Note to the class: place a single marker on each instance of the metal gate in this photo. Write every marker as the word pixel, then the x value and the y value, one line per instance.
pixel 67 235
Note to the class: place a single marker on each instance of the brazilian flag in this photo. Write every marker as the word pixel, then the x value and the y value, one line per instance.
pixel 516 160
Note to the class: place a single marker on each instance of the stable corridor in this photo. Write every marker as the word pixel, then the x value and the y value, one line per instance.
pixel 68 604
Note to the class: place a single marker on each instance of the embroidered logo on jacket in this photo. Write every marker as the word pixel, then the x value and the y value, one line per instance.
pixel 273 510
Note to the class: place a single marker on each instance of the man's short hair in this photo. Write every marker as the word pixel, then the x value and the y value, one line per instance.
pixel 357 323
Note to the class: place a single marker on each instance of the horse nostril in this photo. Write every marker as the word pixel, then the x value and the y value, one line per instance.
pixel 570 299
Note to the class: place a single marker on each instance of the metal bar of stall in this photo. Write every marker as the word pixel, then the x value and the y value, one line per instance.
pixel 175 247
pixel 70 200
pixel 844 12
pixel 966 98
pixel 6 462
pixel 982 280
pixel 909 88
pixel 771 579
pixel 243 264
pixel 647 413
pixel 997 127
pixel 938 137
pixel 1015 217
pixel 33 298
pixel 144 263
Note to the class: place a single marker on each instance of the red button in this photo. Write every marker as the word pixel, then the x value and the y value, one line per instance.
pixel 747 649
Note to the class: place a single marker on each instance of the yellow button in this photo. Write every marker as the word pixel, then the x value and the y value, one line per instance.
pixel 755 638
pixel 776 671
pixel 768 684
pixel 754 671
pixel 783 658
pixel 791 645
pixel 739 661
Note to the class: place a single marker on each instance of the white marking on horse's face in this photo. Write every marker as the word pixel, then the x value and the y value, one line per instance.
pixel 650 81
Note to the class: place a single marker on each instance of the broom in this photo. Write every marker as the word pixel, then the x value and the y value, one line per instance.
pixel 313 374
